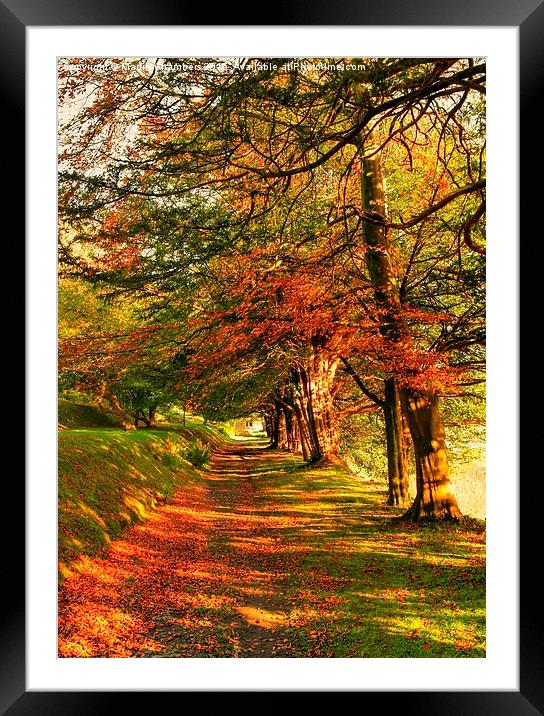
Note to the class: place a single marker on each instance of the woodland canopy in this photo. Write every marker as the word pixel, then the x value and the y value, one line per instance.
pixel 302 239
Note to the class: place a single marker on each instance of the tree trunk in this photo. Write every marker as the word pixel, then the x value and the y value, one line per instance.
pixel 289 429
pixel 115 407
pixel 144 418
pixel 275 428
pixel 407 444
pixel 140 415
pixel 289 418
pixel 296 435
pixel 303 431
pixel 282 428
pixel 268 425
pixel 434 495
pixel 152 416
pixel 316 414
pixel 396 453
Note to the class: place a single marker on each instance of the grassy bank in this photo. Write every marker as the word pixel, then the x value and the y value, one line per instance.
pixel 77 414
pixel 256 556
pixel 109 479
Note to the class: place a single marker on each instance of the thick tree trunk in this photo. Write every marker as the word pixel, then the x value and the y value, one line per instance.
pixel 316 414
pixel 434 495
pixel 407 444
pixel 153 416
pixel 268 425
pixel 105 395
pixel 140 415
pixel 303 431
pixel 282 428
pixel 296 435
pixel 396 453
pixel 376 242
pixel 275 428
pixel 289 428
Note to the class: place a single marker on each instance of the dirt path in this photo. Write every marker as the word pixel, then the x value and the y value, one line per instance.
pixel 251 561
pixel 201 577
pixel 246 535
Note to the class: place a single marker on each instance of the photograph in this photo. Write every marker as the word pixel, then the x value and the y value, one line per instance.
pixel 271 357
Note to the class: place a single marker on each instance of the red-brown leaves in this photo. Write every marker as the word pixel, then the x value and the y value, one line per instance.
pixel 197 579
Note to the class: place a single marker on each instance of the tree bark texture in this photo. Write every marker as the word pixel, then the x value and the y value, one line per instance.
pixel 396 451
pixel 314 409
pixel 107 398
pixel 434 495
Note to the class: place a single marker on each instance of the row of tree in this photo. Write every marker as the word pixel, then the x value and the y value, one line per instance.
pixel 300 241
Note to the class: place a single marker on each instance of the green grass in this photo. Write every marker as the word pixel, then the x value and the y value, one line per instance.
pixel 77 414
pixel 364 450
pixel 109 479
pixel 351 579
pixel 369 585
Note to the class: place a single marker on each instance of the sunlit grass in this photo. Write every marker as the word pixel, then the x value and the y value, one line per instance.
pixel 308 562
pixel 369 586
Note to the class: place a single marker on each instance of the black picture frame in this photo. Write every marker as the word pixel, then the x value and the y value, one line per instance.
pixel 528 16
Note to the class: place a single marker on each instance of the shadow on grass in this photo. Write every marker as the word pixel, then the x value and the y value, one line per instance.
pixel 248 562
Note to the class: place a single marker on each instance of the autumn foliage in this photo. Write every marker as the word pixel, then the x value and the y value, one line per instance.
pixel 301 245
pixel 304 243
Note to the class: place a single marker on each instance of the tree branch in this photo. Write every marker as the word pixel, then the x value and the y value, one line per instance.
pixel 369 394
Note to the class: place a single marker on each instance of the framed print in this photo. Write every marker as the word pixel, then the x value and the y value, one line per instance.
pixel 43 672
